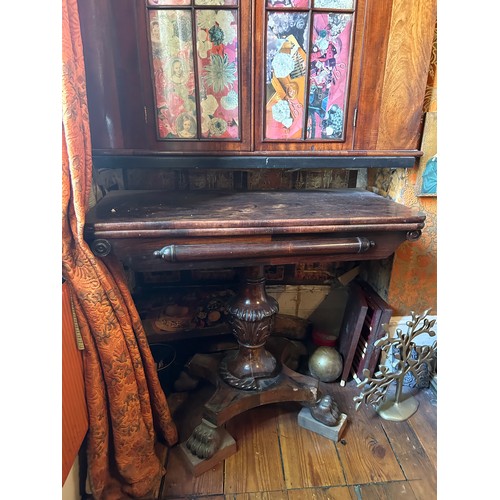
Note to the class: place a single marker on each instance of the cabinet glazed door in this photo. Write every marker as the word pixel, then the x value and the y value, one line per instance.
pixel 200 65
pixel 307 72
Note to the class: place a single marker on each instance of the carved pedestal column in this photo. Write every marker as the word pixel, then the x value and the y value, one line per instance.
pixel 252 367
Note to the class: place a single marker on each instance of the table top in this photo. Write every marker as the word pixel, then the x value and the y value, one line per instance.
pixel 158 213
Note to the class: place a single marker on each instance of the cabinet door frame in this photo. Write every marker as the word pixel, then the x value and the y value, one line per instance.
pixel 311 146
pixel 201 145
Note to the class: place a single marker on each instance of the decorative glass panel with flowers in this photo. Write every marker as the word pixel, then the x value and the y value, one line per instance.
pixel 196 79
pixel 217 44
pixel 307 72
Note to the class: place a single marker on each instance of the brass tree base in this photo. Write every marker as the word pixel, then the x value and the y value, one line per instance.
pixel 398 411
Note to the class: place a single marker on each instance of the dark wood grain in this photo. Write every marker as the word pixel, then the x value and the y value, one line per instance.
pixel 136 225
pixel 408 58
pixel 141 210
pixel 102 97
pixel 365 157
pixel 376 34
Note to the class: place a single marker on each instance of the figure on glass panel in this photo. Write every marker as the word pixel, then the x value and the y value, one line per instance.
pixel 296 108
pixel 178 73
pixel 155 32
pixel 186 126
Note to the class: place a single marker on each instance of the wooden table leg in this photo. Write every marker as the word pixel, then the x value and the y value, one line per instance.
pixel 251 367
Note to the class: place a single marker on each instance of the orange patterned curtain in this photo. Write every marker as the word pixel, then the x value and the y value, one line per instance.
pixel 127 407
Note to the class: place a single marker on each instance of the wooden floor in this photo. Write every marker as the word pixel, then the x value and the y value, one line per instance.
pixel 278 460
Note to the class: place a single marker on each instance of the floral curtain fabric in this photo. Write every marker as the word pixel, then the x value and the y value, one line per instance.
pixel 127 407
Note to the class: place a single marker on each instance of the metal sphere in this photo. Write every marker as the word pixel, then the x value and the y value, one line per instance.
pixel 326 364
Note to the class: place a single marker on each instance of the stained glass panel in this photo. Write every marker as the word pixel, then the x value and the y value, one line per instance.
pixel 174 82
pixel 328 75
pixel 217 49
pixel 286 45
pixel 290 4
pixel 334 4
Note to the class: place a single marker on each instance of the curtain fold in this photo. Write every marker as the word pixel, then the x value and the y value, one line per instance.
pixel 127 407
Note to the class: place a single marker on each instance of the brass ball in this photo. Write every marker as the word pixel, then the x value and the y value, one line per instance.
pixel 326 364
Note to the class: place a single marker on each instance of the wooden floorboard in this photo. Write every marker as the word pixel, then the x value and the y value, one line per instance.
pixel 333 493
pixel 365 451
pixel 256 467
pixel 385 491
pixel 424 423
pixel 278 460
pixel 308 458
pixel 266 495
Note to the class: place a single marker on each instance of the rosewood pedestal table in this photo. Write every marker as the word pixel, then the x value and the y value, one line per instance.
pixel 160 231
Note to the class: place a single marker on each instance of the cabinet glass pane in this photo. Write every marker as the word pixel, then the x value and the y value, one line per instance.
pixel 174 82
pixel 300 4
pixel 286 46
pixel 169 2
pixel 217 50
pixel 334 4
pixel 216 2
pixel 328 75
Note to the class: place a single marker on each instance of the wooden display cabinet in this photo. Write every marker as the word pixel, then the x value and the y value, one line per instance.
pixel 257 79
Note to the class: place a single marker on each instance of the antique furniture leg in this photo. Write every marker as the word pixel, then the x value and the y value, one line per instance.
pixel 251 367
pixel 249 377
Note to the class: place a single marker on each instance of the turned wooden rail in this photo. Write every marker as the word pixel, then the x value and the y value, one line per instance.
pixel 183 253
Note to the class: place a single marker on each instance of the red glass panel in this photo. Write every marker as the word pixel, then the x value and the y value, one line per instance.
pixel 174 82
pixel 328 75
pixel 217 50
pixel 286 46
